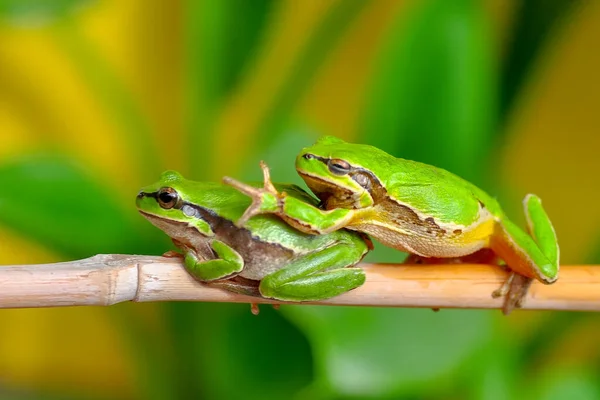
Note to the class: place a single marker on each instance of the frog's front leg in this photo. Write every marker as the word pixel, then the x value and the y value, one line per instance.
pixel 316 276
pixel 228 263
pixel 531 257
pixel 295 212
pixel 265 200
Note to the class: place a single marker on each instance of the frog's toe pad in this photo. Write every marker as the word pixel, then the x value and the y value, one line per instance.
pixel 515 298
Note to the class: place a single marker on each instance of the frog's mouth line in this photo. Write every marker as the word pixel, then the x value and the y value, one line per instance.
pixel 161 222
pixel 323 182
pixel 147 215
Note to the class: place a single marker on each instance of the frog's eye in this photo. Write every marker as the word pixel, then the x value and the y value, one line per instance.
pixel 167 197
pixel 338 167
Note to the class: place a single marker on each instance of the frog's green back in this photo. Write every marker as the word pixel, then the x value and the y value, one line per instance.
pixel 429 189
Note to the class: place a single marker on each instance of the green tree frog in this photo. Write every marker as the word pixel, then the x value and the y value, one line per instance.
pixel 266 258
pixel 413 207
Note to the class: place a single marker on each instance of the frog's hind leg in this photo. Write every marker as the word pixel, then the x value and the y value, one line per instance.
pixel 315 277
pixel 529 257
pixel 237 284
pixel 541 229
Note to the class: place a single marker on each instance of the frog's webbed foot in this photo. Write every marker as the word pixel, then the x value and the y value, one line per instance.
pixel 255 310
pixel 172 254
pixel 176 253
pixel 514 291
pixel 264 200
pixel 505 288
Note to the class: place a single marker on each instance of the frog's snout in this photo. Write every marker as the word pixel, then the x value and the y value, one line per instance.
pixel 140 197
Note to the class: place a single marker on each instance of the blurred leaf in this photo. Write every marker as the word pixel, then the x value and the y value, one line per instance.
pixel 54 201
pixel 45 395
pixel 280 155
pixel 221 37
pixel 594 257
pixel 490 380
pixel 547 335
pixel 263 357
pixel 185 322
pixel 492 373
pixel 373 352
pixel 116 98
pixel 38 12
pixel 432 97
pixel 537 22
pixel 323 39
pixel 566 383
pixel 157 371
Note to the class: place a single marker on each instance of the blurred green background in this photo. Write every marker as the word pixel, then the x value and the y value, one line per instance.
pixel 98 97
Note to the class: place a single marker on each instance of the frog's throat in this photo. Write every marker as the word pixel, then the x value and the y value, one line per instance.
pixel 178 230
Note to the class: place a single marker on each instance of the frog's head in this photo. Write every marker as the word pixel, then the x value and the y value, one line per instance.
pixel 162 197
pixel 166 203
pixel 335 171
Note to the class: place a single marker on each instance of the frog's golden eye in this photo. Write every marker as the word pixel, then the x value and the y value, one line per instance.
pixel 338 167
pixel 167 197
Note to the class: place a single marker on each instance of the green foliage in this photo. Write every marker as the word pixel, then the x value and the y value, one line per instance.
pixel 38 12
pixel 221 39
pixel 322 40
pixel 433 95
pixel 373 353
pixel 254 352
pixel 573 384
pixel 56 202
pixel 535 23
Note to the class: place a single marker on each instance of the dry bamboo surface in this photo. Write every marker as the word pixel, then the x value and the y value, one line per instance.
pixel 109 279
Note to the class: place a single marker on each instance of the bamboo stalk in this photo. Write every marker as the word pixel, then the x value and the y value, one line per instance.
pixel 112 278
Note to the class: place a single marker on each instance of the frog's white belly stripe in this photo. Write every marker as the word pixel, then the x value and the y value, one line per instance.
pixel 422 245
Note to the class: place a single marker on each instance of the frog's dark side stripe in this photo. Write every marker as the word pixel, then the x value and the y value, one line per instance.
pixel 239 238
